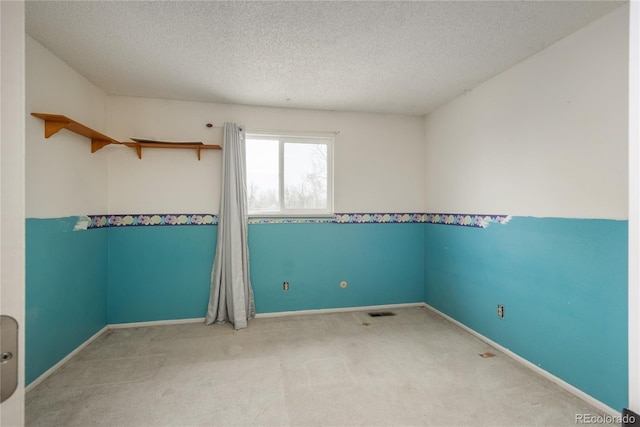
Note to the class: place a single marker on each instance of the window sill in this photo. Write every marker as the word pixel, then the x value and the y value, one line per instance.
pixel 291 215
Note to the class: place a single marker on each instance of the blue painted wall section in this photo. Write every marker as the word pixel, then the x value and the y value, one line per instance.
pixel 66 290
pixel 382 264
pixel 159 273
pixel 563 284
pixel 163 273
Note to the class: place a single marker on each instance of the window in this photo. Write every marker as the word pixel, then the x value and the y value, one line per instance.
pixel 289 175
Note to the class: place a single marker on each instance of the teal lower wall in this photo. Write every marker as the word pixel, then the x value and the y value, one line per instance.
pixel 162 273
pixel 563 285
pixel 159 273
pixel 381 263
pixel 66 290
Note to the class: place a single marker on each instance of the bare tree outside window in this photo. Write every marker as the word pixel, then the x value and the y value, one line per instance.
pixel 305 176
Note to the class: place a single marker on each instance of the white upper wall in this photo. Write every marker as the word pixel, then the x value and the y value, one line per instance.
pixel 378 164
pixel 62 177
pixel 548 137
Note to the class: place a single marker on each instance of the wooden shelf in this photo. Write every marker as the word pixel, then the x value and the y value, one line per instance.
pixel 140 145
pixel 53 123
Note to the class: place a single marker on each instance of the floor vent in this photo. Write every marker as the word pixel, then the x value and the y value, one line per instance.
pixel 381 314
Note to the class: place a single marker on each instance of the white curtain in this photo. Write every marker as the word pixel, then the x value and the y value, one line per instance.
pixel 231 298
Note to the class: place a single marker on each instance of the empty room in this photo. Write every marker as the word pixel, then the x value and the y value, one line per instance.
pixel 326 213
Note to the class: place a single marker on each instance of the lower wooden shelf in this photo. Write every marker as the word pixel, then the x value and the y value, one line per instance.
pixel 140 145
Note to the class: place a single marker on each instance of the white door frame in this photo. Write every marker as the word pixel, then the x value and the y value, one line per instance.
pixel 12 211
pixel 634 206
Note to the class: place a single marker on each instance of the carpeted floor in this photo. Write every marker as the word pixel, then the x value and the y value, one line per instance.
pixel 344 369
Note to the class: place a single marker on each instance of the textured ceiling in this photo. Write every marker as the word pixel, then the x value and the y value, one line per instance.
pixel 393 57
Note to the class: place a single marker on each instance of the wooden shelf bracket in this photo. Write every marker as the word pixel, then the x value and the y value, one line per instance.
pixel 97 144
pixel 52 127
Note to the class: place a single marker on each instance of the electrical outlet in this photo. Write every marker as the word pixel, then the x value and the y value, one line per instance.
pixel 500 311
pixel 285 286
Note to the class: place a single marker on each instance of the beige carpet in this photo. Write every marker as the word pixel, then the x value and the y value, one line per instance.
pixel 344 369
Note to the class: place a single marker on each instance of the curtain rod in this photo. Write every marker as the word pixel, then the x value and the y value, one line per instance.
pixel 282 132
pixel 293 132
pixel 211 125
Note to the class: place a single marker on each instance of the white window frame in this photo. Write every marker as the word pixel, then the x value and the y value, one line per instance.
pixel 297 138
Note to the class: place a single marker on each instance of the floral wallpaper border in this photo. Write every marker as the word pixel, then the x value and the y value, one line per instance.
pixel 464 220
pixel 100 221
pixel 467 220
pixel 380 218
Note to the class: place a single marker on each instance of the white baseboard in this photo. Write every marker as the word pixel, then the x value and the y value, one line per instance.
pixel 155 323
pixel 55 367
pixel 565 385
pixel 338 310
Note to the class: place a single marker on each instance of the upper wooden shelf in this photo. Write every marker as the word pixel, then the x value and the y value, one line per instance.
pixel 53 123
